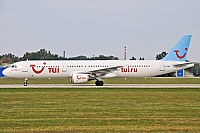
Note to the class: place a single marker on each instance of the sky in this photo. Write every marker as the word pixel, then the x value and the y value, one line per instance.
pixel 99 27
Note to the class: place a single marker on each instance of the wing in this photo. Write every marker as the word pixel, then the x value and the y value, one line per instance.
pixel 101 72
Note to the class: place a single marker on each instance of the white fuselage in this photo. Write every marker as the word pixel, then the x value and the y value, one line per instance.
pixel 63 68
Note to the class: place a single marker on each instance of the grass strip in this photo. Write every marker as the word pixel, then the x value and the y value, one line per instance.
pixel 99 110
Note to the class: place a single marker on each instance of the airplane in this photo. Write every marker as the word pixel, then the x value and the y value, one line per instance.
pixel 82 71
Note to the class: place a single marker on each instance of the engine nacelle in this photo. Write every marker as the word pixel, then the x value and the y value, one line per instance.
pixel 79 78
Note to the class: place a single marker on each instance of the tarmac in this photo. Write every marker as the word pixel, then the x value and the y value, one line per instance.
pixel 105 86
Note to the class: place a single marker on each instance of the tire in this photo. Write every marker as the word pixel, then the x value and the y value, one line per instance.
pixel 99 83
pixel 25 84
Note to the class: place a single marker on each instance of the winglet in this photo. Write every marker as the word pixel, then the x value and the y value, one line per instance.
pixel 180 50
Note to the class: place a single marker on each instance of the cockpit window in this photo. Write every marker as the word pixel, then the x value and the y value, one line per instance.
pixel 14 66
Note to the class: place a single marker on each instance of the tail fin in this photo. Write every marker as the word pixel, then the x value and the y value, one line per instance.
pixel 180 50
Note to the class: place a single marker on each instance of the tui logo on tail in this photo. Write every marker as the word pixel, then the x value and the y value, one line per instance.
pixel 180 56
pixel 180 50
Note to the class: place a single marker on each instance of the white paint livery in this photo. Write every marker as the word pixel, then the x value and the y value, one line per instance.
pixel 82 71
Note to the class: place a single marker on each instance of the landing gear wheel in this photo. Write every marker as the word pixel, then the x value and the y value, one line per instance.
pixel 99 83
pixel 25 82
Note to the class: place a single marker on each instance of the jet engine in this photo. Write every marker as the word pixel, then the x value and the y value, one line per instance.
pixel 79 78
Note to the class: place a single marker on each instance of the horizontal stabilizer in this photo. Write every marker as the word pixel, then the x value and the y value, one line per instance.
pixel 183 64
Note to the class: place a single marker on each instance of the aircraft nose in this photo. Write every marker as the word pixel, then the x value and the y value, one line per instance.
pixel 5 72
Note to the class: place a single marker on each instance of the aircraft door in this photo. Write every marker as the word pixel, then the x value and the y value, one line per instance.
pixel 64 67
pixel 25 67
pixel 111 65
pixel 162 66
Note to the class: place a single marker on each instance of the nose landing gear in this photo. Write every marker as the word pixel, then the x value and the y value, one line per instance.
pixel 26 82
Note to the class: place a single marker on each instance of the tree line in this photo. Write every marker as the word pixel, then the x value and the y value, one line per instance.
pixel 43 54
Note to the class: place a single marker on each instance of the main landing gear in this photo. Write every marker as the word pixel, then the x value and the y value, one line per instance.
pixel 99 83
pixel 26 82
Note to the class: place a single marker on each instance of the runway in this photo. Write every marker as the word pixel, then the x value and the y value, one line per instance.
pixel 105 86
